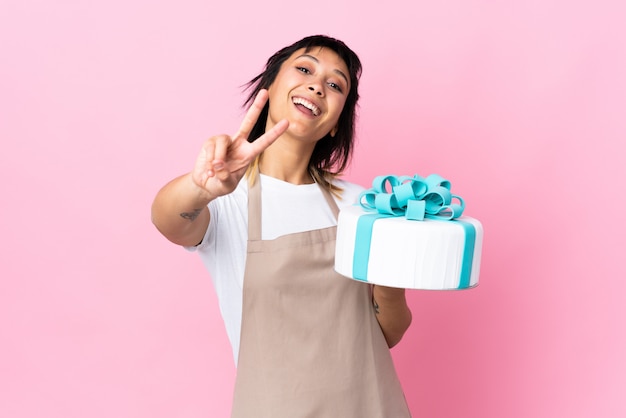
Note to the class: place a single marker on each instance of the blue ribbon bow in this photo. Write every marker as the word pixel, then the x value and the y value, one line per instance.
pixel 414 197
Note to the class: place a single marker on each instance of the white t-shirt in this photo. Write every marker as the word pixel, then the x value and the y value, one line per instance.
pixel 286 209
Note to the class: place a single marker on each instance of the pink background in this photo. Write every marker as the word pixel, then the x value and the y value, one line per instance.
pixel 521 104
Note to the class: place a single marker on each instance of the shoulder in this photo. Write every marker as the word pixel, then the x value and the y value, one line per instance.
pixel 230 209
pixel 350 192
pixel 237 197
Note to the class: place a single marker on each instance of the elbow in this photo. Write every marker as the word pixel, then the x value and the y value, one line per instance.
pixel 394 336
pixel 188 233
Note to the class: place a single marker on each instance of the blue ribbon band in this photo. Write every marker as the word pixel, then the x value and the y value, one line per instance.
pixel 468 254
pixel 363 238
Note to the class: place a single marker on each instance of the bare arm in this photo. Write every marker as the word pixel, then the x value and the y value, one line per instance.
pixel 179 210
pixel 392 312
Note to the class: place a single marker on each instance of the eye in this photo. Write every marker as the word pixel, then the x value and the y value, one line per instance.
pixel 335 86
pixel 303 70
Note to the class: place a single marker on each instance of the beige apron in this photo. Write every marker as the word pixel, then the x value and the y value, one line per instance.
pixel 310 342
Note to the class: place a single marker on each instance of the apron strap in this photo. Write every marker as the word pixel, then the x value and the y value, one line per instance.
pixel 331 202
pixel 254 208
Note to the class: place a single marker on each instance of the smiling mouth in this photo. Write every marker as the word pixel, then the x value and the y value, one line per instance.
pixel 315 111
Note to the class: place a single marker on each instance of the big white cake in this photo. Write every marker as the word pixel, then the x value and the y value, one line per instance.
pixel 433 254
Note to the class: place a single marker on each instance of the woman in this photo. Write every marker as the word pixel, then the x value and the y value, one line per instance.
pixel 260 207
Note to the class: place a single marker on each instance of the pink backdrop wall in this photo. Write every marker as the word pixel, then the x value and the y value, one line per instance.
pixel 520 104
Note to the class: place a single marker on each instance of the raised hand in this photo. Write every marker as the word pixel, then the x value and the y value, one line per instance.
pixel 224 159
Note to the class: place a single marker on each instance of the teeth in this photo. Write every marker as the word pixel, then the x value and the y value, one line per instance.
pixel 299 100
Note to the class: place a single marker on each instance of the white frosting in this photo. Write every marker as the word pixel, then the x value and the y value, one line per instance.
pixel 409 254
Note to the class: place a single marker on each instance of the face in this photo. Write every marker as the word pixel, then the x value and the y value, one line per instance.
pixel 310 91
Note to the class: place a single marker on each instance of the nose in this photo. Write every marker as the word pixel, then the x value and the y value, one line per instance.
pixel 316 89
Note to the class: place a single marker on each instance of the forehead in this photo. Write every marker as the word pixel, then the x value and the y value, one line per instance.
pixel 323 55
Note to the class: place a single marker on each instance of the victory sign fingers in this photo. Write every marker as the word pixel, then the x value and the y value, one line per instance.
pixel 225 158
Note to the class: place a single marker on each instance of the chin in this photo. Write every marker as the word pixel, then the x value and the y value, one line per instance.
pixel 300 132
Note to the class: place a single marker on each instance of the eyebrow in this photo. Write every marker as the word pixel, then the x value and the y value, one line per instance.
pixel 336 70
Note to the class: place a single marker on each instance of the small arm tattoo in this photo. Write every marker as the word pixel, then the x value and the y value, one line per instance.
pixel 191 215
pixel 376 307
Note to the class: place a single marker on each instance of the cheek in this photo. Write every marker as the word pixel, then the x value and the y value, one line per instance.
pixel 339 108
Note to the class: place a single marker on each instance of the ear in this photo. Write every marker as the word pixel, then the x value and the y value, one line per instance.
pixel 333 131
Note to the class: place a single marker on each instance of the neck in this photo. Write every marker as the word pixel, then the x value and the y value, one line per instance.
pixel 290 164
